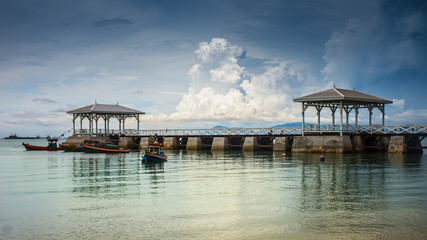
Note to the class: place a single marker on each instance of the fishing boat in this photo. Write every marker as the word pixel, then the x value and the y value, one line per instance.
pixel 112 146
pixel 154 154
pixel 52 146
pixel 92 149
pixel 79 148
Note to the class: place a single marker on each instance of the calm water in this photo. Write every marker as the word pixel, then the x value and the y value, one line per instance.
pixel 211 195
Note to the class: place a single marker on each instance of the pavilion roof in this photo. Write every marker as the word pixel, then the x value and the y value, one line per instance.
pixel 338 94
pixel 106 109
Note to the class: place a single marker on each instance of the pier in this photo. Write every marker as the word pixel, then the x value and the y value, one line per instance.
pixel 341 138
pixel 398 139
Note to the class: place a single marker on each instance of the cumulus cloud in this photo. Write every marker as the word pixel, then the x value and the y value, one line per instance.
pixel 115 21
pixel 398 104
pixel 411 116
pixel 224 91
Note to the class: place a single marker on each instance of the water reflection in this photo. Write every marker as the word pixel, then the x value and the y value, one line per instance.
pixel 346 188
pixel 103 174
pixel 156 177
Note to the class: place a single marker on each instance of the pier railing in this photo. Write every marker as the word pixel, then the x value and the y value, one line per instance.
pixel 291 131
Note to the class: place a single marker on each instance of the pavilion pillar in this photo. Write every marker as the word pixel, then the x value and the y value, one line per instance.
pixel 341 107
pixel 91 124
pixel 137 120
pixel 108 124
pixel 370 115
pixel 347 110
pixel 120 125
pixel 74 123
pixel 303 123
pixel 356 113
pixel 382 109
pixel 333 109
pixel 96 124
pixel 346 120
pixel 81 123
pixel 319 109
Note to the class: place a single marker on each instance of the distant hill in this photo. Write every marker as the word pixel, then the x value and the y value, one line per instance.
pixel 294 124
pixel 219 127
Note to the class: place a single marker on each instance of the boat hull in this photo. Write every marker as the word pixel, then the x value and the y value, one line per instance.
pixel 92 149
pixel 152 157
pixel 30 147
pixel 68 148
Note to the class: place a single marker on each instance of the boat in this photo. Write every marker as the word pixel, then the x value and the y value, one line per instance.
pixel 154 154
pixel 92 149
pixel 79 148
pixel 52 146
pixel 112 146
pixel 14 136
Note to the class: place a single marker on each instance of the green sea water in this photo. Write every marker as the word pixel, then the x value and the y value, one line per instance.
pixel 211 195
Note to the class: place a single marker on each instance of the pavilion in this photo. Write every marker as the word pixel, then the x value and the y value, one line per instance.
pixel 344 100
pixel 105 111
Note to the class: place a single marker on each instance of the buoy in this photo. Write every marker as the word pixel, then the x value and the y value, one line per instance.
pixel 322 158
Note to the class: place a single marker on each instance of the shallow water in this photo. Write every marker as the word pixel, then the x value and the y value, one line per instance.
pixel 211 195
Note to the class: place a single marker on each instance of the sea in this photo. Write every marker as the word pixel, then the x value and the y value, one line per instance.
pixel 210 195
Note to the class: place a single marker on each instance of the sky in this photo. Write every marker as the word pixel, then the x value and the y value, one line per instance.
pixel 199 64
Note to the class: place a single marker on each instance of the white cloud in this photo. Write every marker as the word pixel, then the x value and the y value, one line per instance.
pixel 219 93
pixel 411 116
pixel 399 104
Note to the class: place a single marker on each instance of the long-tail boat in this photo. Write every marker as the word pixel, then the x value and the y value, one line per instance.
pixel 154 154
pixel 79 148
pixel 112 146
pixel 52 146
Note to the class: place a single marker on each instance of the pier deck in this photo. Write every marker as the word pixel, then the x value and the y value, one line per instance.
pixel 324 138
pixel 312 129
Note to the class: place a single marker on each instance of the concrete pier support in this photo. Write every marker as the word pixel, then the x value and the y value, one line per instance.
pixel 171 143
pixel 283 144
pixel 194 143
pixel 143 143
pixel 220 144
pixel 357 144
pixel 405 144
pixel 127 142
pixel 250 144
pixel 322 144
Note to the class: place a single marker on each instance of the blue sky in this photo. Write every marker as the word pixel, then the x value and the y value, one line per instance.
pixel 197 64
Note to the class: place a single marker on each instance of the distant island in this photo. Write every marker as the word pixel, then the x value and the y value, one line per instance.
pixel 14 136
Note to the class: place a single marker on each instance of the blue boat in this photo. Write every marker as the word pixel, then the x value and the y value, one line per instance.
pixel 154 154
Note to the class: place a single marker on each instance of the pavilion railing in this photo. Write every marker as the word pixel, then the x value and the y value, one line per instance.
pixel 291 131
